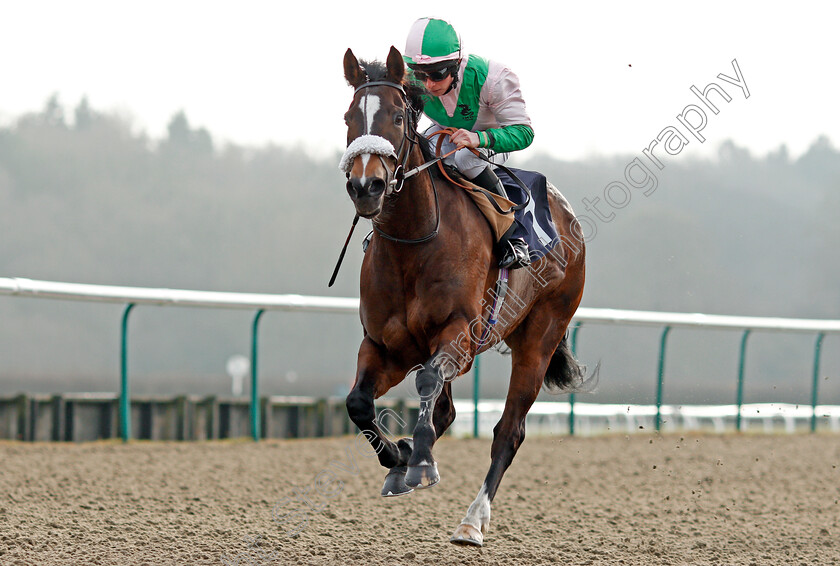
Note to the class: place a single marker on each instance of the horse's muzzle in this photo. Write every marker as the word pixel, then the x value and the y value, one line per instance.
pixel 367 195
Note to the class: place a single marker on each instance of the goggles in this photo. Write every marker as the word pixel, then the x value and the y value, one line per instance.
pixel 436 76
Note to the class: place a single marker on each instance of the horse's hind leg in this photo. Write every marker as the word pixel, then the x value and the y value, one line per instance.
pixel 530 361
pixel 507 437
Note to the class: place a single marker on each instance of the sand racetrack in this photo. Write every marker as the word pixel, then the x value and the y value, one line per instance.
pixel 638 499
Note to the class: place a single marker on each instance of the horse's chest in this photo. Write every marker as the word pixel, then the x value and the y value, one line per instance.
pixel 398 325
pixel 396 336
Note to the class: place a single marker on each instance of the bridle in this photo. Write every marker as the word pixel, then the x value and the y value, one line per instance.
pixel 399 175
pixel 396 177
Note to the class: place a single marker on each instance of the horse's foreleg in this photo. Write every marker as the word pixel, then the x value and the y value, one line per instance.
pixel 433 386
pixel 422 468
pixel 444 413
pixel 371 382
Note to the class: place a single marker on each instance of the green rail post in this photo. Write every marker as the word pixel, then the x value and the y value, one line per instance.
pixel 255 392
pixel 815 387
pixel 572 395
pixel 660 385
pixel 739 399
pixel 125 396
pixel 476 372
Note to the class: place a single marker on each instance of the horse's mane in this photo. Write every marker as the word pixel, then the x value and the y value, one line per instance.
pixel 414 91
pixel 376 71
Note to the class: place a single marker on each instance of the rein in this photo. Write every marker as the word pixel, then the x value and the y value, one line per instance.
pixel 475 188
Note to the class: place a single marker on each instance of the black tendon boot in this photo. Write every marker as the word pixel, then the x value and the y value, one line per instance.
pixel 513 251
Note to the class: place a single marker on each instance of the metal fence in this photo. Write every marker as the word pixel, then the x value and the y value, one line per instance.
pixel 260 303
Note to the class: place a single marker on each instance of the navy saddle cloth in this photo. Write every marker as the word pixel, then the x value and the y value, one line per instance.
pixel 534 223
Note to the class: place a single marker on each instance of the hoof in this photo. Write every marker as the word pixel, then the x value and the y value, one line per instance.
pixel 425 475
pixel 467 535
pixel 395 483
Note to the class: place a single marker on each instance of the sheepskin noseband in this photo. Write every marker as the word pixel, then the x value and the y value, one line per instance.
pixel 368 143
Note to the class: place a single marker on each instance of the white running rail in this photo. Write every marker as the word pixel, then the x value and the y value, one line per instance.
pixel 23 287
pixel 584 413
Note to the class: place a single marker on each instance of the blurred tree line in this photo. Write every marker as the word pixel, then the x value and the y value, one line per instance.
pixel 88 199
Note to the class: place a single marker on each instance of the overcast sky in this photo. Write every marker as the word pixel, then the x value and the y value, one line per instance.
pixel 599 77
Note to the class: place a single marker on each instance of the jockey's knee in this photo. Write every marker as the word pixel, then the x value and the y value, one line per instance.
pixel 468 164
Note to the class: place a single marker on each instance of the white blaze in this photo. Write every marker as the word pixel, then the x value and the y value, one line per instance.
pixel 367 144
pixel 365 158
pixel 371 107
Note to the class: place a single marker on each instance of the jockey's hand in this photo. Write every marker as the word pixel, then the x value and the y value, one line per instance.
pixel 465 138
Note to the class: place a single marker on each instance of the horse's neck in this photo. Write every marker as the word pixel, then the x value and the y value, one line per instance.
pixel 413 212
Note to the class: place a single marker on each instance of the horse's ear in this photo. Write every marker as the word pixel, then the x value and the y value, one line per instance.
pixel 396 65
pixel 354 73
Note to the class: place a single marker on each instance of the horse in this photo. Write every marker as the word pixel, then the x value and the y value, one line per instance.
pixel 427 283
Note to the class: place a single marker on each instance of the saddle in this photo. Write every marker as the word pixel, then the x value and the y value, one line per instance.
pixel 499 222
pixel 529 217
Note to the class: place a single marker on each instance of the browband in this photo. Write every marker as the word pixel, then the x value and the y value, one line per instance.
pixel 380 83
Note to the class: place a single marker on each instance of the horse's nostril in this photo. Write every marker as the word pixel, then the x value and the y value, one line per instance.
pixel 356 188
pixel 376 187
pixel 372 187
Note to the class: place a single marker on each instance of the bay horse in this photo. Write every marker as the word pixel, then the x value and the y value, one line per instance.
pixel 427 280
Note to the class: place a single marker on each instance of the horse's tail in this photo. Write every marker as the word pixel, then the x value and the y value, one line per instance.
pixel 567 375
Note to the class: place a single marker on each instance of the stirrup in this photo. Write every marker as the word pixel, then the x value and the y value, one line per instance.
pixel 515 254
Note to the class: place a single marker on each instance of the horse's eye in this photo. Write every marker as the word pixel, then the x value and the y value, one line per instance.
pixel 398 120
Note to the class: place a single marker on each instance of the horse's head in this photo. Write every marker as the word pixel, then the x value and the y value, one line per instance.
pixel 380 126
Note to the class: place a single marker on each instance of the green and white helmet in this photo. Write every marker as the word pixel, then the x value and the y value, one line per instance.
pixel 431 41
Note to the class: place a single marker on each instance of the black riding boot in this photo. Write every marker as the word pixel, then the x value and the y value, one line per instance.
pixel 513 251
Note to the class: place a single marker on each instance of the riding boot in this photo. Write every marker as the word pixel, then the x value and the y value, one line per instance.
pixel 488 179
pixel 513 251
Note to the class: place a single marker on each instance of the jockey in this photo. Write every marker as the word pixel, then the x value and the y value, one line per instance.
pixel 479 97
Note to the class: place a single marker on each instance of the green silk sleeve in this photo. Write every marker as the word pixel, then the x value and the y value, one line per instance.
pixel 510 138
